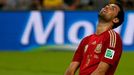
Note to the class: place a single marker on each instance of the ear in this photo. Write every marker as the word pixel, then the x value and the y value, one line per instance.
pixel 115 20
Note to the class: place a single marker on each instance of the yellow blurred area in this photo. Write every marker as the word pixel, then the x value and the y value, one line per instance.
pixel 112 1
pixel 52 3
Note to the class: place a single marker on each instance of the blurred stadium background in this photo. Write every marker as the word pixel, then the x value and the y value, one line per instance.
pixel 39 37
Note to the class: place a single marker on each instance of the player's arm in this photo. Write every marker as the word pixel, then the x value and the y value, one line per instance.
pixel 101 69
pixel 72 68
pixel 76 59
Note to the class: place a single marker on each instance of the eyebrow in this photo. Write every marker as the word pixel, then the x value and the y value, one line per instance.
pixel 113 6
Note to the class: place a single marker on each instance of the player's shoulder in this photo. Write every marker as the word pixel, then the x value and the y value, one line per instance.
pixel 113 38
pixel 113 34
pixel 86 38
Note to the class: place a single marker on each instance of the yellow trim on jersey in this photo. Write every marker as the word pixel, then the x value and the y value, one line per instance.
pixel 112 38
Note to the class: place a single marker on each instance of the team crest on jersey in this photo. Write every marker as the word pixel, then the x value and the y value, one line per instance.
pixel 85 49
pixel 98 48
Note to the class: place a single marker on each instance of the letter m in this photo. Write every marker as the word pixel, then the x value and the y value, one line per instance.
pixel 41 35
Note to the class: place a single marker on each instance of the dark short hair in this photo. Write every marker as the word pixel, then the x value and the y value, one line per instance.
pixel 120 16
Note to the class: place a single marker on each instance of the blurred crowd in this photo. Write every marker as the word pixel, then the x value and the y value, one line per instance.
pixel 60 4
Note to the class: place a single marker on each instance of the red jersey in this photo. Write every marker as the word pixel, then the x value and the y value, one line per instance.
pixel 106 47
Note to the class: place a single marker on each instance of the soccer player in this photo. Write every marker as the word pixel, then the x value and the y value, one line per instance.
pixel 99 53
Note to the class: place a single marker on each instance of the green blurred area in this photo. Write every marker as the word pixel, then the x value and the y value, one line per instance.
pixel 50 63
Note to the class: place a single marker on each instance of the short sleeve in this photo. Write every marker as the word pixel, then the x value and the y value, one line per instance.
pixel 113 49
pixel 79 51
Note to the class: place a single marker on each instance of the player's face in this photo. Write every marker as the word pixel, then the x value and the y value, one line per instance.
pixel 109 12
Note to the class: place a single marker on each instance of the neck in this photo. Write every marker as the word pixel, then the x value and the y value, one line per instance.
pixel 103 26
